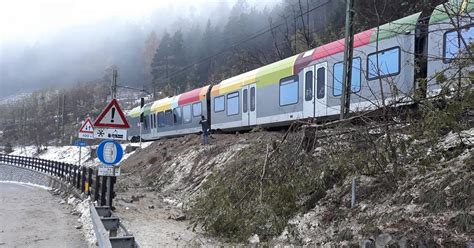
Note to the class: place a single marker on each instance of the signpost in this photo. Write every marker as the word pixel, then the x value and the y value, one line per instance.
pixel 80 143
pixel 110 153
pixel 87 130
pixel 110 125
pixel 110 134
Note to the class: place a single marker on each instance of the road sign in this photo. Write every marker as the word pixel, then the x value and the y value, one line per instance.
pixel 109 152
pixel 112 117
pixel 87 130
pixel 80 143
pixel 111 134
pixel 104 170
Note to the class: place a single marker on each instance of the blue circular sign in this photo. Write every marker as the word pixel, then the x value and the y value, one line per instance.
pixel 109 152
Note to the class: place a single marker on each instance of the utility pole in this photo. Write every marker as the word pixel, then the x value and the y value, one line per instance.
pixel 62 118
pixel 348 55
pixel 114 83
pixel 111 179
pixel 142 103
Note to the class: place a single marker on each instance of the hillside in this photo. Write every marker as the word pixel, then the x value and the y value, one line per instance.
pixel 294 187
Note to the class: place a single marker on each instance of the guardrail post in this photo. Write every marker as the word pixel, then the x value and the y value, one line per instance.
pixel 73 175
pixel 89 180
pixel 83 179
pixel 78 179
pixel 103 191
pixel 96 186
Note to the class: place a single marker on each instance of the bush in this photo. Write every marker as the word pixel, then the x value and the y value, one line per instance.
pixel 8 148
pixel 250 197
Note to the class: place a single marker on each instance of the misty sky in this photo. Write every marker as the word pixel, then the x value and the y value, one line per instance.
pixel 54 42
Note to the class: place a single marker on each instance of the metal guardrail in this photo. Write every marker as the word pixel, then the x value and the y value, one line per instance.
pixel 85 179
pixel 106 228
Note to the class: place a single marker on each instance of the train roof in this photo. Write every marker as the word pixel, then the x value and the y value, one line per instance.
pixel 272 73
pixel 170 102
pixel 262 76
pixel 441 13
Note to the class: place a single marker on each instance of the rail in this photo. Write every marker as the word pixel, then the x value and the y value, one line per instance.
pixel 85 179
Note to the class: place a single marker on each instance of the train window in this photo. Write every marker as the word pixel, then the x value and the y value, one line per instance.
pixel 145 122
pixel 321 83
pixel 197 109
pixel 252 99
pixel 308 81
pixel 245 100
pixel 388 63
pixel 152 121
pixel 339 78
pixel 453 44
pixel 289 91
pixel 233 103
pixel 161 119
pixel 187 115
pixel 219 104
pixel 177 116
pixel 169 118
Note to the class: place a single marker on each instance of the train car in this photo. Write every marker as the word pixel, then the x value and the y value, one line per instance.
pixel 171 116
pixel 310 84
pixel 389 61
pixel 253 98
pixel 446 26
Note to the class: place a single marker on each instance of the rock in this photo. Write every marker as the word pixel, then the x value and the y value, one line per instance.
pixel 130 149
pixel 135 198
pixel 307 241
pixel 179 205
pixel 62 202
pixel 151 207
pixel 180 217
pixel 363 207
pixel 382 240
pixel 254 239
pixel 367 244
pixel 78 227
pixel 426 243
pixel 403 242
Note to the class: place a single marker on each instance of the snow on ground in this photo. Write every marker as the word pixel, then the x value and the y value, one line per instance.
pixel 27 184
pixel 70 154
pixel 67 154
pixel 83 208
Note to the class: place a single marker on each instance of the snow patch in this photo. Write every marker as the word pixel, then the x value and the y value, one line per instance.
pixel 83 207
pixel 27 184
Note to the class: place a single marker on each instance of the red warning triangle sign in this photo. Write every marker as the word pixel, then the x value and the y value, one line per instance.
pixel 112 117
pixel 87 127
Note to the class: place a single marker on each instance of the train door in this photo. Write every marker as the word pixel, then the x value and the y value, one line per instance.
pixel 308 94
pixel 320 106
pixel 249 105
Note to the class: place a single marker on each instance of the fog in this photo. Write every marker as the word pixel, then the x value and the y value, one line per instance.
pixel 54 43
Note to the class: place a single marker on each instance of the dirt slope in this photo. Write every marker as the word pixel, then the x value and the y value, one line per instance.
pixel 158 181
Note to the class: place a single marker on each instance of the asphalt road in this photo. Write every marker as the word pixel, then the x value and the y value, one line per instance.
pixel 32 217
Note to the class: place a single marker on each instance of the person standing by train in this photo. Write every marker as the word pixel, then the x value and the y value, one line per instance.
pixel 205 130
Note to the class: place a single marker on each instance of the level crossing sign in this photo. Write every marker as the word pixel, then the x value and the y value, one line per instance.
pixel 87 130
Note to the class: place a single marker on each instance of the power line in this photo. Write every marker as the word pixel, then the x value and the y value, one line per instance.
pixel 255 35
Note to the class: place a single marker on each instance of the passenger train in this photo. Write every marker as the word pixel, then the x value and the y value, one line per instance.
pixel 390 59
